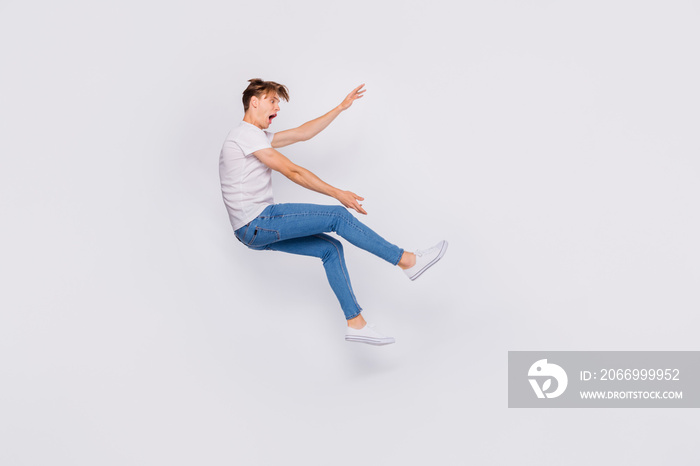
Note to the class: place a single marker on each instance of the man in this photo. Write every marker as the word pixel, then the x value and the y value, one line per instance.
pixel 247 158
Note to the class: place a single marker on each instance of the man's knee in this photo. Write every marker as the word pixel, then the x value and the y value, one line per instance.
pixel 333 249
pixel 338 209
pixel 341 212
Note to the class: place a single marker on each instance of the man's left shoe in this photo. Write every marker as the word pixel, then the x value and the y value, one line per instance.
pixel 368 334
pixel 426 259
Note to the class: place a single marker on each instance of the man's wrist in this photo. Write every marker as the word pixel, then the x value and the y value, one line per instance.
pixel 334 192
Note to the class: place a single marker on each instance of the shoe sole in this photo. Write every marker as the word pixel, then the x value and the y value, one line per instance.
pixel 430 264
pixel 368 340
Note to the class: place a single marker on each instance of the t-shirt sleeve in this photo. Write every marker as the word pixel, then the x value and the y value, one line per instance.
pixel 254 139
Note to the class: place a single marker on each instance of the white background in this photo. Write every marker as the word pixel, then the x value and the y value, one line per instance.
pixel 554 144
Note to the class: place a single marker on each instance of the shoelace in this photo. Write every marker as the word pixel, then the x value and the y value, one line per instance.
pixel 425 251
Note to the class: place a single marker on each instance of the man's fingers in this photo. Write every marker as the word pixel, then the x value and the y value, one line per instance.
pixel 352 202
pixel 357 92
pixel 358 205
pixel 353 96
pixel 359 208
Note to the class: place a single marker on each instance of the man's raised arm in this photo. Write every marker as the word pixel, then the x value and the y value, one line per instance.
pixel 313 127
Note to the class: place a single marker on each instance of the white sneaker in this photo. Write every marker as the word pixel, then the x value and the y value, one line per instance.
pixel 367 334
pixel 425 259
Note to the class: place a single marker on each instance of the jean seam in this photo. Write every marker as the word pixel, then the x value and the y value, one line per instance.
pixel 276 232
pixel 331 214
pixel 252 238
pixel 347 281
pixel 255 234
pixel 327 214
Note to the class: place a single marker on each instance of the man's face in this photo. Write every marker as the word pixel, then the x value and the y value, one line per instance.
pixel 267 109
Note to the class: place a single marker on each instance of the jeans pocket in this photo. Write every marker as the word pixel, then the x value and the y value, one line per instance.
pixel 262 237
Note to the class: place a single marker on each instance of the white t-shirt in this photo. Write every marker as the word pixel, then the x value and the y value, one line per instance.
pixel 246 182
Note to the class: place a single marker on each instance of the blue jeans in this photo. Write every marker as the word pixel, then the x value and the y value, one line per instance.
pixel 300 228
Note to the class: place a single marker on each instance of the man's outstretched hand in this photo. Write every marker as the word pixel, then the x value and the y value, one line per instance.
pixel 356 93
pixel 350 200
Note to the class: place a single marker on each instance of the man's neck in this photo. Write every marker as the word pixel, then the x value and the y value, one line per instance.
pixel 248 118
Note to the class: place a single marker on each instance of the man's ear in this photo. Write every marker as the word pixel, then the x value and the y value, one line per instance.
pixel 254 102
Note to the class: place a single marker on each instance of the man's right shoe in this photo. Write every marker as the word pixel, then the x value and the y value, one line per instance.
pixel 367 334
pixel 425 259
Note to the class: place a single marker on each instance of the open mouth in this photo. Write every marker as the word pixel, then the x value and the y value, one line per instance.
pixel 271 117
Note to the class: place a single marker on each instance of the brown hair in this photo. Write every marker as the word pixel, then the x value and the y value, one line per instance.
pixel 258 87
